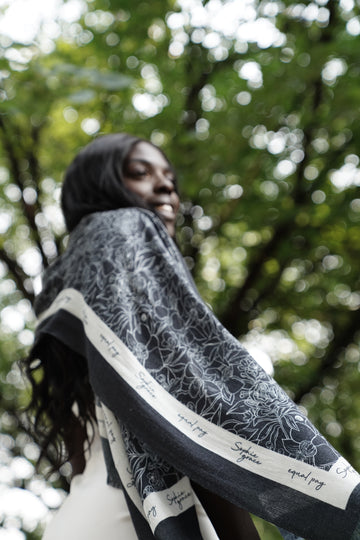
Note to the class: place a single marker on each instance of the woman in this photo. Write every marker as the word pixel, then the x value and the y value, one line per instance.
pixel 178 402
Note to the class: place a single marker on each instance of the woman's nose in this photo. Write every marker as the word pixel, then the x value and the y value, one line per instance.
pixel 163 184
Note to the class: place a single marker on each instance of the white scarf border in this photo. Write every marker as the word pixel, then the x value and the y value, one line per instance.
pixel 328 486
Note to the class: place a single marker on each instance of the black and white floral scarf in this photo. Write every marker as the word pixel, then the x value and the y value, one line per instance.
pixel 179 398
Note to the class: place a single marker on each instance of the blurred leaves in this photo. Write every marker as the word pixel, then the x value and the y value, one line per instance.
pixel 260 118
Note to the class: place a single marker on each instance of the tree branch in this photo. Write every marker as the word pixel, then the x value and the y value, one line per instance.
pixel 343 336
pixel 230 319
pixel 30 210
pixel 17 273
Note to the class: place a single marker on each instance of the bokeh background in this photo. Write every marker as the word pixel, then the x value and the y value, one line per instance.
pixel 257 104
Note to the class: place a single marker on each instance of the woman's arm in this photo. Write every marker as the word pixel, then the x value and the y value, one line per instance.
pixel 229 521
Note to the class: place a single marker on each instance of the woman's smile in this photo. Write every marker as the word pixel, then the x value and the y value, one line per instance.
pixel 148 174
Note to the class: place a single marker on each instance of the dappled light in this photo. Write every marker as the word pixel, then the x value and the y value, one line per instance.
pixel 256 104
pixel 333 69
pixel 251 72
pixel 347 175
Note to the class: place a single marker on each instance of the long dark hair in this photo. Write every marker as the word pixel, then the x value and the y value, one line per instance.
pixel 59 376
pixel 61 412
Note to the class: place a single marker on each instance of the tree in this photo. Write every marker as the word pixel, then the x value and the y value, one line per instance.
pixel 259 116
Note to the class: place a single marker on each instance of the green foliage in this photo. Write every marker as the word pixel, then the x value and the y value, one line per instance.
pixel 264 134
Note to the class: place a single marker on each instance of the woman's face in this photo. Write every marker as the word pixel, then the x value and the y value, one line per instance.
pixel 148 174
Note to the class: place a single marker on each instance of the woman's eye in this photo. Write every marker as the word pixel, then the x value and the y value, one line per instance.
pixel 139 173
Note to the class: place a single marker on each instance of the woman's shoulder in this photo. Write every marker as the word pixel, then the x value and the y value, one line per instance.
pixel 119 229
pixel 121 224
pixel 133 217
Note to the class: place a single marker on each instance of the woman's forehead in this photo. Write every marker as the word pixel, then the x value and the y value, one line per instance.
pixel 144 151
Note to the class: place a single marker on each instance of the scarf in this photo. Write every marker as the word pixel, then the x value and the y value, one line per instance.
pixel 178 398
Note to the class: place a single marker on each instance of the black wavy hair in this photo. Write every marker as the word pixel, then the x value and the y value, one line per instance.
pixel 61 413
pixel 59 376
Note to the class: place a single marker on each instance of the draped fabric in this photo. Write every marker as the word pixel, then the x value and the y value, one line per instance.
pixel 178 398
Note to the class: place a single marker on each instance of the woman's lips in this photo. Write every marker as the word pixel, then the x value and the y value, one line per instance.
pixel 166 210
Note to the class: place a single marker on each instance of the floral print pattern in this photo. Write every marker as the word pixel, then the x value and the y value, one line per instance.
pixel 132 275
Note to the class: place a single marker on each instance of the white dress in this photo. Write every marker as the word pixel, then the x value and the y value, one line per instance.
pixel 93 510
